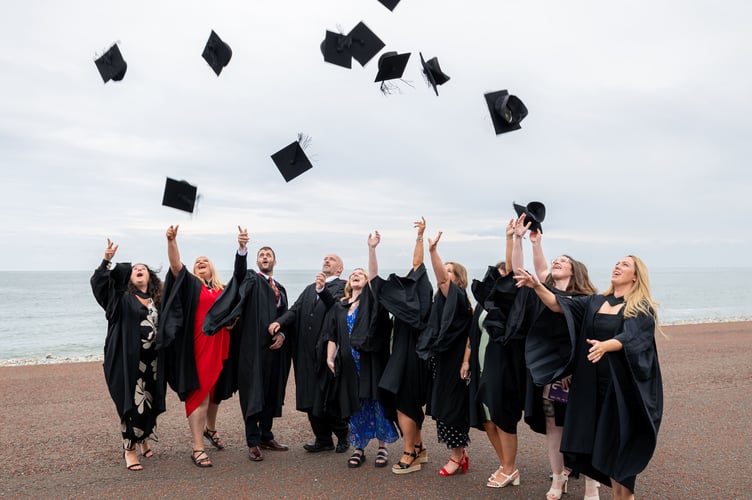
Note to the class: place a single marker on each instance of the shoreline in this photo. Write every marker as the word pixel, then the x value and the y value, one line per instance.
pixel 51 359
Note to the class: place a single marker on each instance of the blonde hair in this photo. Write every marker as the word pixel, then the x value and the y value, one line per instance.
pixel 348 288
pixel 215 283
pixel 638 299
pixel 460 273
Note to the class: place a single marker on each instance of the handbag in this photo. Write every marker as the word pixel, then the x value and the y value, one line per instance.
pixel 555 391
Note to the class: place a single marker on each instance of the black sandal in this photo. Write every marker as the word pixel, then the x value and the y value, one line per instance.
pixel 382 457
pixel 406 468
pixel 357 459
pixel 135 467
pixel 202 459
pixel 148 453
pixel 421 453
pixel 211 435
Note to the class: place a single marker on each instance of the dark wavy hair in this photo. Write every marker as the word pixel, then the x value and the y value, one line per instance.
pixel 153 287
pixel 579 282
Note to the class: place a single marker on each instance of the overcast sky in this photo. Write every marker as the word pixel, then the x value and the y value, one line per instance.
pixel 637 138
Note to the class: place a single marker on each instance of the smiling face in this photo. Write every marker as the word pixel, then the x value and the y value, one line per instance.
pixel 358 279
pixel 202 268
pixel 140 276
pixel 266 261
pixel 624 273
pixel 561 268
pixel 332 265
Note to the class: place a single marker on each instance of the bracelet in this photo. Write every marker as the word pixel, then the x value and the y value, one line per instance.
pixel 510 238
pixel 419 238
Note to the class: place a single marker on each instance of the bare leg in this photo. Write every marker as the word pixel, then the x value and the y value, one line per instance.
pixel 553 443
pixel 621 492
pixel 410 434
pixel 508 451
pixel 493 436
pixel 197 423
pixel 211 415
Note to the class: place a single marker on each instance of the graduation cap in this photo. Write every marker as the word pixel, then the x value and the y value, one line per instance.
pixel 433 72
pixel 507 111
pixel 534 211
pixel 391 66
pixel 364 43
pixel 361 43
pixel 180 195
pixel 292 160
pixel 216 53
pixel 111 65
pixel 389 4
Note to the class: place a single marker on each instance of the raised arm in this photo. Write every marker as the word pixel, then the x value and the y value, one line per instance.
pixel 539 260
pixel 241 257
pixel 509 246
pixel 173 254
pixel 418 255
pixel 524 278
pixel 373 263
pixel 520 228
pixel 439 269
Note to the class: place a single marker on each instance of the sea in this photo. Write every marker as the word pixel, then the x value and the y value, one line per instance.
pixel 52 317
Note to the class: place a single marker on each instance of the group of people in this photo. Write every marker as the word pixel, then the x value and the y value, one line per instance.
pixel 373 356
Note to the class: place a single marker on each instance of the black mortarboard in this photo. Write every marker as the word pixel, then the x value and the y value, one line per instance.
pixel 335 51
pixel 391 66
pixel 111 65
pixel 291 161
pixel 535 213
pixel 433 72
pixel 507 111
pixel 364 44
pixel 389 4
pixel 217 53
pixel 179 194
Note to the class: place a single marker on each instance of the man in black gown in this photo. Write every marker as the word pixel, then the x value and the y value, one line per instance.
pixel 303 322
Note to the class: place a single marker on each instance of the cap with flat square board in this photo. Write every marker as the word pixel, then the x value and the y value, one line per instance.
pixel 389 4
pixel 335 50
pixel 291 161
pixel 111 65
pixel 433 72
pixel 364 44
pixel 216 53
pixel 180 195
pixel 391 66
pixel 507 111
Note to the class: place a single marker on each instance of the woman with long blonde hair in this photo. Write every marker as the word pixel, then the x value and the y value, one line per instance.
pixel 197 361
pixel 616 397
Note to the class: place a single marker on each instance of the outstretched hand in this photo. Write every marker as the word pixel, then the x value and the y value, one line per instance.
pixel 243 237
pixel 172 232
pixel 520 228
pixel 432 243
pixel 524 278
pixel 510 227
pixel 374 239
pixel 420 225
pixel 535 237
pixel 109 252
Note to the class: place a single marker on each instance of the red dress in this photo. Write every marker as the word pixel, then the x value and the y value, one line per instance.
pixel 209 352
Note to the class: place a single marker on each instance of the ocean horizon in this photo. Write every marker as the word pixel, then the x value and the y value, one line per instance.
pixel 52 317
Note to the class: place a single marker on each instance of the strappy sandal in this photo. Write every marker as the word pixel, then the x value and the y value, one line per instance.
pixel 201 460
pixel 406 468
pixel 148 453
pixel 211 435
pixel 135 467
pixel 422 453
pixel 357 459
pixel 382 457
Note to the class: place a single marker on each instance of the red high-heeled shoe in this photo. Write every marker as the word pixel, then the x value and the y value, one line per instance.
pixel 462 465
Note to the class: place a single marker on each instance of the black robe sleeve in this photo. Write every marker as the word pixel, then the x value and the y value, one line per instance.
pixel 450 317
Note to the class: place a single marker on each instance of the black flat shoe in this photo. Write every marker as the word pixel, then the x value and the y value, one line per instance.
pixel 317 447
pixel 342 447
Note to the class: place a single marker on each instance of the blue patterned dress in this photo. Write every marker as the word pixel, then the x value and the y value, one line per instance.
pixel 369 422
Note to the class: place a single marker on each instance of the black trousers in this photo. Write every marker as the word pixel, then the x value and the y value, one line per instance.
pixel 258 427
pixel 324 427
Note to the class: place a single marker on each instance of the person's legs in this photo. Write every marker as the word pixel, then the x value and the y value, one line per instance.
pixel 210 431
pixel 555 459
pixel 321 429
pixel 410 436
pixel 493 437
pixel 620 492
pixel 197 424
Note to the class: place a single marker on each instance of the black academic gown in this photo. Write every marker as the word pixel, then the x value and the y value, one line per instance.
pixel 122 346
pixel 501 385
pixel 444 343
pixel 302 324
pixel 248 300
pixel 175 337
pixel 406 376
pixel 279 359
pixel 370 336
pixel 615 434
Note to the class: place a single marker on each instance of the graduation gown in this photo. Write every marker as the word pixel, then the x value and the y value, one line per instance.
pixel 370 336
pixel 501 385
pixel 406 376
pixel 444 343
pixel 248 302
pixel 612 434
pixel 122 345
pixel 302 324
pixel 175 337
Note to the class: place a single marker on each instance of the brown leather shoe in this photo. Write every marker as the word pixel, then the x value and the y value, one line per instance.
pixel 273 445
pixel 255 454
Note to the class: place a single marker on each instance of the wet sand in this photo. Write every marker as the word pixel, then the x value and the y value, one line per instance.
pixel 59 438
